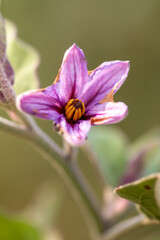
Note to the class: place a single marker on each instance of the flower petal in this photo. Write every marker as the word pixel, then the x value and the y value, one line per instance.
pixel 108 76
pixel 106 113
pixel 43 103
pixel 73 74
pixel 76 133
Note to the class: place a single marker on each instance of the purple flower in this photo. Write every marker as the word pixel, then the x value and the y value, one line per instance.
pixel 79 98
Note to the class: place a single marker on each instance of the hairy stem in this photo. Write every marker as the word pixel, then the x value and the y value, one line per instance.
pixel 93 203
pixel 12 127
pixel 121 229
pixel 67 168
pixel 6 86
pixel 72 170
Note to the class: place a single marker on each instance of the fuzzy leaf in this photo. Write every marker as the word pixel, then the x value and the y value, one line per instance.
pixel 109 144
pixel 10 229
pixel 24 60
pixel 144 192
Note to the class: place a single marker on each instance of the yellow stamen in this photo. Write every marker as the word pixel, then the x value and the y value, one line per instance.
pixel 83 108
pixel 74 109
pixel 79 113
pixel 75 117
pixel 70 113
pixel 69 109
pixel 69 104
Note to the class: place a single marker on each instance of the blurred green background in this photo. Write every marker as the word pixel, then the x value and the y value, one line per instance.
pixel 105 30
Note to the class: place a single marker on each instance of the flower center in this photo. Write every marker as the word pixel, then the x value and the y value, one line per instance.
pixel 74 109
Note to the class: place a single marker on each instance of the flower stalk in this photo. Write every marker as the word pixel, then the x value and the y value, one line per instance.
pixel 63 163
pixel 123 228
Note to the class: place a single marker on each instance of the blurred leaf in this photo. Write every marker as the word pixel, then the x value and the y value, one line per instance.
pixel 152 134
pixel 24 60
pixel 14 230
pixel 109 144
pixel 53 235
pixel 137 163
pixel 152 162
pixel 151 159
pixel 113 205
pixel 45 206
pixel 144 192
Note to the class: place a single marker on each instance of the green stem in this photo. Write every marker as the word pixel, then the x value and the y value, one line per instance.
pixel 67 168
pixel 70 169
pixel 121 229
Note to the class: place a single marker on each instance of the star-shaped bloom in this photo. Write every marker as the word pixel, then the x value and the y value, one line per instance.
pixel 79 98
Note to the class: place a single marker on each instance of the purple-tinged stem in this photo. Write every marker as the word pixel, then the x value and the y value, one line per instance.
pixel 6 87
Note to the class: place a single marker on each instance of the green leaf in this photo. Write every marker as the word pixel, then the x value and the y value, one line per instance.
pixel 110 146
pixel 144 192
pixel 14 230
pixel 152 135
pixel 24 60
